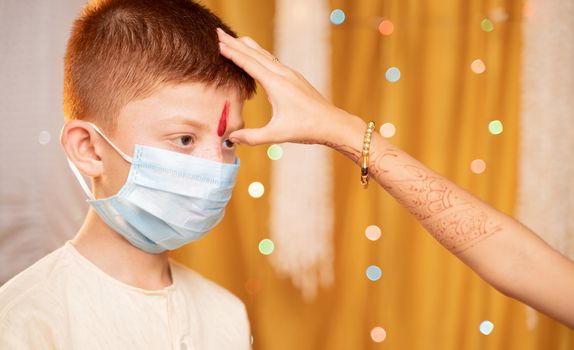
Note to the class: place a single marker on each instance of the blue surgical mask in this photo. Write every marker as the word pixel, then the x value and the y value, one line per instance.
pixel 169 198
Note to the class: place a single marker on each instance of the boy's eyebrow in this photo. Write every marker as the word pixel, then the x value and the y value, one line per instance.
pixel 185 121
pixel 198 125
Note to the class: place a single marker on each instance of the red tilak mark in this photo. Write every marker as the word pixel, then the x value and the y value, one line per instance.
pixel 223 120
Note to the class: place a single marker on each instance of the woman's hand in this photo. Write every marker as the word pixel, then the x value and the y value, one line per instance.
pixel 300 113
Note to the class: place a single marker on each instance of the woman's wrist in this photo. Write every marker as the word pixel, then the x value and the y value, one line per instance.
pixel 344 133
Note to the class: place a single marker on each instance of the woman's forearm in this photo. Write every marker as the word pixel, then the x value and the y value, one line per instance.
pixel 499 248
pixel 457 219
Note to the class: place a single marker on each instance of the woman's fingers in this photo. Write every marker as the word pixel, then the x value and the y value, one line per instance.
pixel 251 137
pixel 247 63
pixel 254 45
pixel 239 45
pixel 254 137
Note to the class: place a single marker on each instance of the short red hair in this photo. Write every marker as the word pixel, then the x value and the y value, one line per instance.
pixel 123 50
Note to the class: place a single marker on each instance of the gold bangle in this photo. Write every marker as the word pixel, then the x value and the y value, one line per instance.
pixel 365 154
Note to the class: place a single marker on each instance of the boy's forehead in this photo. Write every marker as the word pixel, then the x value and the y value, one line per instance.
pixel 177 102
pixel 198 93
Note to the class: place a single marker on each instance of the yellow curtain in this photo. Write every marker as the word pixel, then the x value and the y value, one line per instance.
pixel 426 298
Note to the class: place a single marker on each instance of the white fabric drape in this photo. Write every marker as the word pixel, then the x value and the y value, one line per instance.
pixel 545 194
pixel 41 204
pixel 301 184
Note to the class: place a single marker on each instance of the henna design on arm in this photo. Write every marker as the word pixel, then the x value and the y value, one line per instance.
pixel 423 195
pixel 347 151
pixel 459 230
pixel 436 203
pixel 444 209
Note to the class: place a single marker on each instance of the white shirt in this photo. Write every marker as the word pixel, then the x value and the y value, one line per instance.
pixel 64 301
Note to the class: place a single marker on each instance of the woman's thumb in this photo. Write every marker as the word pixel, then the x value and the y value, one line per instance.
pixel 252 137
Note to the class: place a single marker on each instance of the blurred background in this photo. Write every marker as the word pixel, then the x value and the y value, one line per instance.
pixel 480 91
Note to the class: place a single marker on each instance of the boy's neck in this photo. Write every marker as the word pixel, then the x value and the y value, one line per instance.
pixel 114 255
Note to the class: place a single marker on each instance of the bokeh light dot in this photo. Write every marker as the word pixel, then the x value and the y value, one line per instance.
pixel 378 334
pixel 256 189
pixel 386 27
pixel 495 127
pixel 337 17
pixel 478 66
pixel 388 130
pixel 486 327
pixel 44 137
pixel 393 74
pixel 373 232
pixel 266 246
pixel 275 152
pixel 478 166
pixel 374 273
pixel 486 25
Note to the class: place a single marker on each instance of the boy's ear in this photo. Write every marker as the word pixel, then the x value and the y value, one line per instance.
pixel 79 141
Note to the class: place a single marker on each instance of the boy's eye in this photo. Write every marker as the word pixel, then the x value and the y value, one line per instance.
pixel 228 144
pixel 184 140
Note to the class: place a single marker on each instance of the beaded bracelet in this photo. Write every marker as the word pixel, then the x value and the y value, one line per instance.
pixel 366 151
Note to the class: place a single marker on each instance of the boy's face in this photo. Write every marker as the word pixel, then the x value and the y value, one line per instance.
pixel 189 118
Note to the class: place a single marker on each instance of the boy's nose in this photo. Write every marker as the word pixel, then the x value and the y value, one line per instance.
pixel 211 155
pixel 212 152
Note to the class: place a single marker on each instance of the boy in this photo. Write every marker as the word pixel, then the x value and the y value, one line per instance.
pixel 149 103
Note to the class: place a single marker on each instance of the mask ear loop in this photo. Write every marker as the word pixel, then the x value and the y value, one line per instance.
pixel 122 154
pixel 79 175
pixel 81 180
